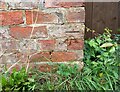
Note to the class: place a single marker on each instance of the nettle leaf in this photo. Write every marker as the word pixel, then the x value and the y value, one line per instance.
pixel 92 43
pixel 106 45
pixel 112 50
pixel 98 40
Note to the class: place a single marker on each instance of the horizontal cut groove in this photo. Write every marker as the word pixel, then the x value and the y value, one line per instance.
pixel 72 31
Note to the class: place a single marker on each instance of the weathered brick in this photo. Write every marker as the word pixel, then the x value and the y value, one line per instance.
pixel 11 17
pixel 3 5
pixel 76 15
pixel 20 65
pixel 75 35
pixel 47 44
pixel 9 58
pixel 42 17
pixel 21 4
pixel 80 54
pixel 40 57
pixel 63 3
pixel 66 31
pixel 28 46
pixel 23 57
pixel 44 67
pixel 25 32
pixel 4 33
pixel 39 67
pixel 75 44
pixel 60 45
pixel 63 56
pixel 9 45
pixel 56 31
pixel 17 67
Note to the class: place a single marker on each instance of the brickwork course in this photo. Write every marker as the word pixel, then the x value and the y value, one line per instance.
pixel 41 32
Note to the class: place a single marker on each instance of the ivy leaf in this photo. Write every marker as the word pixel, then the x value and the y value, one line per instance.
pixel 106 45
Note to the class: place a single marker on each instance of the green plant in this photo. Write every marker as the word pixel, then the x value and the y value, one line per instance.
pixel 101 67
pixel 67 70
pixel 17 81
pixel 117 38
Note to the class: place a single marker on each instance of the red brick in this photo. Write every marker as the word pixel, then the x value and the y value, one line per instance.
pixel 62 3
pixel 41 18
pixel 75 16
pixel 47 44
pixel 11 17
pixel 25 32
pixel 75 44
pixel 40 57
pixel 63 56
pixel 44 67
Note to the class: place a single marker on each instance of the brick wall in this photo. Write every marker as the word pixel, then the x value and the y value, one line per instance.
pixel 41 31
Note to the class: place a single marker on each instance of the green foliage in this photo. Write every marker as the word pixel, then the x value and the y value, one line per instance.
pixel 17 81
pixel 117 38
pixel 100 48
pixel 67 70
pixel 101 66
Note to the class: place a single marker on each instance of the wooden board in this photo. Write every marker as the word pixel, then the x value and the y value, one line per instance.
pixel 102 15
